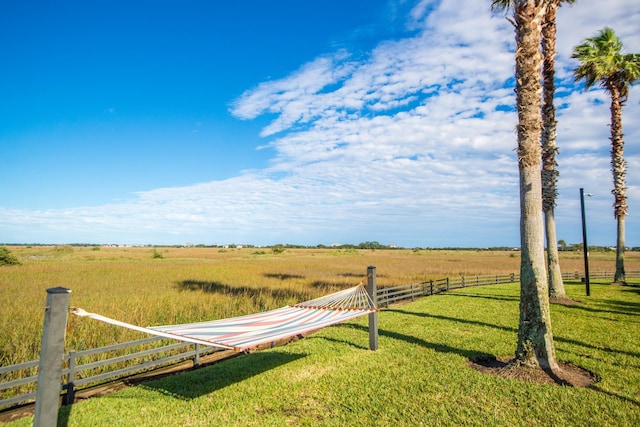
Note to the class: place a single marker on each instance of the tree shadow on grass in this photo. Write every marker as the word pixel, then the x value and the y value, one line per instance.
pixel 614 307
pixel 557 338
pixel 439 347
pixel 454 319
pixel 484 296
pixel 199 382
pixel 632 287
pixel 569 375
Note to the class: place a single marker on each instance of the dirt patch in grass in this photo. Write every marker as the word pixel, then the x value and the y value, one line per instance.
pixel 564 301
pixel 619 283
pixel 568 375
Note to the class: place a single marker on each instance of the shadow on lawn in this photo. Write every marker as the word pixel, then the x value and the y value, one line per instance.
pixel 453 319
pixel 484 296
pixel 557 338
pixel 200 382
pixel 611 306
pixel 439 347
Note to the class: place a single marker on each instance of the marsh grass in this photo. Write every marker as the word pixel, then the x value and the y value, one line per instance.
pixel 196 284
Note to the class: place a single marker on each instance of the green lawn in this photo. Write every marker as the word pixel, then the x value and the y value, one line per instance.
pixel 419 376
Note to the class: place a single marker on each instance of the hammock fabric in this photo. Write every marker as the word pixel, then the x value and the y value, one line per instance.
pixel 244 332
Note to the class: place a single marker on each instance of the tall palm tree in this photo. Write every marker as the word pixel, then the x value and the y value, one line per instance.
pixel 535 339
pixel 601 60
pixel 548 140
pixel 549 148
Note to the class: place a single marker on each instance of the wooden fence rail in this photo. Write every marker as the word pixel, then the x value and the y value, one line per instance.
pixel 155 352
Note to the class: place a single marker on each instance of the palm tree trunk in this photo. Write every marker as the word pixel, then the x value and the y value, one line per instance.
pixel 556 284
pixel 618 166
pixel 549 150
pixel 620 275
pixel 535 339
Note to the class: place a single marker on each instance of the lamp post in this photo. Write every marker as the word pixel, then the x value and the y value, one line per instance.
pixel 585 248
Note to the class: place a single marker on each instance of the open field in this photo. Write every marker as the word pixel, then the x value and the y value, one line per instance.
pixel 419 375
pixel 152 286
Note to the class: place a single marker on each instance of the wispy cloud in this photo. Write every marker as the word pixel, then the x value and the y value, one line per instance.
pixel 412 144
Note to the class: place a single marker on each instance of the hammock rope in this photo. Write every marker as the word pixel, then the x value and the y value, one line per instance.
pixel 244 332
pixel 356 298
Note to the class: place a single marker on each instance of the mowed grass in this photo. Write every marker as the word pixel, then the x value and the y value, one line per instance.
pixel 419 375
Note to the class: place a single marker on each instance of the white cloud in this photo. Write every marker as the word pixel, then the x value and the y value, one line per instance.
pixel 413 145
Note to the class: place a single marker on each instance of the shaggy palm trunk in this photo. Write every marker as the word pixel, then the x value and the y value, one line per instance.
pixel 535 339
pixel 618 167
pixel 549 151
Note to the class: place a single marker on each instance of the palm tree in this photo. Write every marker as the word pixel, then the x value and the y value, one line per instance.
pixel 535 339
pixel 548 140
pixel 602 61
pixel 549 148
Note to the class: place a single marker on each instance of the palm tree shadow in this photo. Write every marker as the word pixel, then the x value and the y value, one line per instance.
pixel 484 296
pixel 556 337
pixel 454 319
pixel 202 381
pixel 439 347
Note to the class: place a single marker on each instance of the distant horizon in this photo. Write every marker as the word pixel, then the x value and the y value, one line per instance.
pixel 381 246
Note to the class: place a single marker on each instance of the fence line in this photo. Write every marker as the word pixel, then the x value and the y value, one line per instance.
pixel 171 354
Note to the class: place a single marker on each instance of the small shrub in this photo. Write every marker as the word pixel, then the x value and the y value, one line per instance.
pixel 156 255
pixel 7 258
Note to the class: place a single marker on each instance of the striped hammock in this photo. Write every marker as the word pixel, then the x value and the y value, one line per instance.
pixel 244 332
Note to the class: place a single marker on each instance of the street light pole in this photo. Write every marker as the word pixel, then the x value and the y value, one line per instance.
pixel 585 248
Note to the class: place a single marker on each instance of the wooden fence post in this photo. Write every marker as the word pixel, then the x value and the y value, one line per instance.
pixel 51 356
pixel 71 377
pixel 373 316
pixel 196 359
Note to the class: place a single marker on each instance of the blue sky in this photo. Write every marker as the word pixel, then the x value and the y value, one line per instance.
pixel 290 122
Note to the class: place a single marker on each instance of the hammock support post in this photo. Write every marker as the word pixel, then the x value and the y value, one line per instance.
pixel 373 316
pixel 51 356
